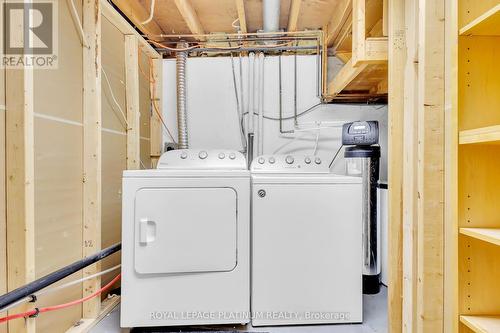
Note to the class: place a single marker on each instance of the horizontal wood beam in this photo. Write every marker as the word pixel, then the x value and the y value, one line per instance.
pixel 192 20
pixel 341 14
pixel 240 7
pixel 293 17
pixel 375 50
pixel 125 28
pixel 136 13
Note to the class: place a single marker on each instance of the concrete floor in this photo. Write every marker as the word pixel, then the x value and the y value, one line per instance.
pixel 375 321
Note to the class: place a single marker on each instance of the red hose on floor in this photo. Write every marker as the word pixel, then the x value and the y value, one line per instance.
pixel 60 306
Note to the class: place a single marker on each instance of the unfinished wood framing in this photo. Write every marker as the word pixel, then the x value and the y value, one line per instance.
pixel 430 201
pixel 355 33
pixel 396 115
pixel 190 17
pixel 132 95
pixel 20 193
pixel 240 7
pixel 294 15
pixel 92 150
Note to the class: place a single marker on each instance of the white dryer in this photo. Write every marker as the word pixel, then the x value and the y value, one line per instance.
pixel 306 243
pixel 185 241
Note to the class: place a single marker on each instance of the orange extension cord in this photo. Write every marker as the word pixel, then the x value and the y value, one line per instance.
pixel 35 311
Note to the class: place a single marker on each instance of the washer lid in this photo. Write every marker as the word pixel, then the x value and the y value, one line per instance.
pixel 199 159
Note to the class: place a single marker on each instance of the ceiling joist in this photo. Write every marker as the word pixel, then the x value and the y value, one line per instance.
pixel 240 7
pixel 293 18
pixel 190 17
pixel 341 16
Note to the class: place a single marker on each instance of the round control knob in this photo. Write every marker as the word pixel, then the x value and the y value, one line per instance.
pixel 222 156
pixel 272 160
pixel 289 159
pixel 317 160
pixel 184 155
pixel 261 160
pixel 232 156
pixel 203 154
pixel 307 160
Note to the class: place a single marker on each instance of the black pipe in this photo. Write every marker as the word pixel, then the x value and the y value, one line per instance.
pixel 47 280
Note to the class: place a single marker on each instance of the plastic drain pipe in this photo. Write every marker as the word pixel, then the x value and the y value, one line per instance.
pixel 250 111
pixel 182 135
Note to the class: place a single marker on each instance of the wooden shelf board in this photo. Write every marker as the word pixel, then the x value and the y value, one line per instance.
pixel 489 235
pixel 490 134
pixel 482 324
pixel 488 24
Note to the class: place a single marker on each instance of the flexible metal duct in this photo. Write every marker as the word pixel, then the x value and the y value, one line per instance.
pixel 271 15
pixel 181 98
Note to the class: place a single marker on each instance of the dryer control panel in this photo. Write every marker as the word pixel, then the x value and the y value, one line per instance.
pixel 289 164
pixel 200 159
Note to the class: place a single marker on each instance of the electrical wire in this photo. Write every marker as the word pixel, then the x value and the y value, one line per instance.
pixel 57 288
pixel 153 98
pixel 113 96
pixel 300 114
pixel 336 154
pixel 35 312
pixel 289 142
pixel 151 13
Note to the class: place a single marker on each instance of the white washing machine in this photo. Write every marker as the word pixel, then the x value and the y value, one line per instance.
pixel 185 241
pixel 306 243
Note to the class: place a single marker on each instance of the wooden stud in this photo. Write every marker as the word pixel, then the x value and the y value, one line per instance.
pixel 20 186
pixel 156 125
pixel 358 31
pixel 137 14
pixel 410 173
pixel 397 58
pixel 132 97
pixel 293 17
pixel 92 150
pixel 240 7
pixel 188 12
pixel 340 17
pixel 385 18
pixel 85 325
pixel 431 165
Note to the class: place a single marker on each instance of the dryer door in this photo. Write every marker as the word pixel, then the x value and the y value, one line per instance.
pixel 185 230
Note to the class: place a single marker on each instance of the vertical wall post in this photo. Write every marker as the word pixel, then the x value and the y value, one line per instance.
pixel 156 101
pixel 20 186
pixel 431 165
pixel 92 150
pixel 132 97
pixel 397 58
pixel 410 174
pixel 358 31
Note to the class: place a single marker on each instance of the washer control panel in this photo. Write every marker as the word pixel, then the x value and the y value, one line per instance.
pixel 202 159
pixel 289 164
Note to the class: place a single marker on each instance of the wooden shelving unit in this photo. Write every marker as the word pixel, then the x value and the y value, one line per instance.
pixel 488 24
pixel 489 235
pixel 481 324
pixel 358 37
pixel 490 134
pixel 477 303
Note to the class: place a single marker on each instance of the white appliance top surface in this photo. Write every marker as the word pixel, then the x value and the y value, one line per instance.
pixel 289 164
pixel 199 159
